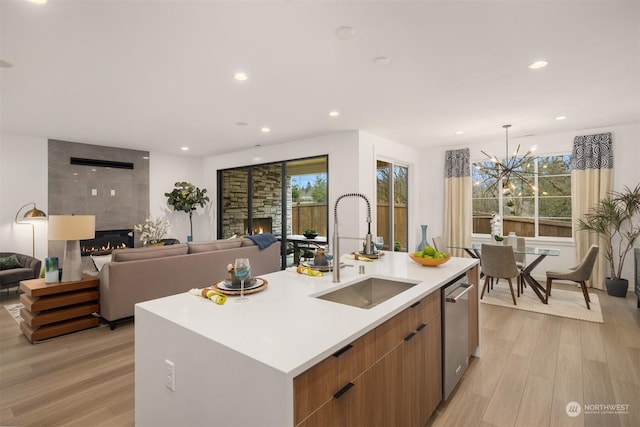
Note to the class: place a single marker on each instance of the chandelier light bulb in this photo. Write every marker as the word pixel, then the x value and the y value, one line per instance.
pixel 503 172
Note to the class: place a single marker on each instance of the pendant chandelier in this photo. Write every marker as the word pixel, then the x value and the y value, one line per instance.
pixel 509 169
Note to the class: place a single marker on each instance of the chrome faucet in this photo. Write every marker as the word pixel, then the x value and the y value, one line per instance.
pixel 368 245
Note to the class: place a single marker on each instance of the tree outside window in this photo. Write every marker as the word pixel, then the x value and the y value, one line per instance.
pixel 545 212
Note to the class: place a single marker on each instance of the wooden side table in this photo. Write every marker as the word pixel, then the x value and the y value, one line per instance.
pixel 53 309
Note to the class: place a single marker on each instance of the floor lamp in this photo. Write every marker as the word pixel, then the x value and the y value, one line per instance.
pixel 31 214
pixel 72 229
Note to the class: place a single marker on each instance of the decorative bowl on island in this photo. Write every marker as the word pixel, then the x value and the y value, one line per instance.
pixel 430 262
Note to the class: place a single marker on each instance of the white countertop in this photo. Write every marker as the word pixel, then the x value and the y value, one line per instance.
pixel 286 328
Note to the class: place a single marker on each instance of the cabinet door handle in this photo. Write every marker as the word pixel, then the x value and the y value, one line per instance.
pixel 343 350
pixel 343 390
pixel 421 327
pixel 410 336
pixel 415 304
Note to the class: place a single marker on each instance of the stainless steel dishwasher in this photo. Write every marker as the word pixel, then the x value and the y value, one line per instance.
pixel 455 332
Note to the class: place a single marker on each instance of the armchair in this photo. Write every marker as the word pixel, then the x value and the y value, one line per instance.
pixel 30 270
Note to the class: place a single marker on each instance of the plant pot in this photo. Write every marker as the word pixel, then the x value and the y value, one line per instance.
pixel 617 287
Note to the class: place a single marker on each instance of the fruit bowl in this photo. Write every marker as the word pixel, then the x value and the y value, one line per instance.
pixel 430 262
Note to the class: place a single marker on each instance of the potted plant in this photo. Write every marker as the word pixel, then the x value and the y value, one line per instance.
pixel 310 233
pixel 186 197
pixel 615 219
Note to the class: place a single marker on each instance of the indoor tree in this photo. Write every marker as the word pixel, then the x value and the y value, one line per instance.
pixel 186 197
pixel 616 218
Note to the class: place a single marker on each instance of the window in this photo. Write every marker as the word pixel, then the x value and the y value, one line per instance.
pixel 392 204
pixel 281 198
pixel 545 212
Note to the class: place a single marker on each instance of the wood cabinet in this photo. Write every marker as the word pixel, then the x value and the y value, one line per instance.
pixel 390 376
pixel 53 309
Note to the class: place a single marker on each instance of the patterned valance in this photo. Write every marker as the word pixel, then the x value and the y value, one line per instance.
pixel 457 163
pixel 592 152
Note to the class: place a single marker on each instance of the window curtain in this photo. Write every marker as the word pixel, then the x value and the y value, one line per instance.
pixel 591 180
pixel 458 224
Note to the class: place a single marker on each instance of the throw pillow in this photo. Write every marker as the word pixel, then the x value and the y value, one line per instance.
pixel 100 260
pixel 7 263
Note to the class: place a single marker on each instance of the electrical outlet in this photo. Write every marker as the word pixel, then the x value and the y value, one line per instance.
pixel 170 375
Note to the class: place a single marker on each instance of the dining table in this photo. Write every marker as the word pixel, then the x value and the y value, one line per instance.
pixel 299 241
pixel 475 249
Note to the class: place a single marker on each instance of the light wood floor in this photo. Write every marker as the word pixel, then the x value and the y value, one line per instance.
pixel 532 366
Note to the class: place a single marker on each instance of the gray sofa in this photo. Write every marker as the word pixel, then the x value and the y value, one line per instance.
pixel 30 270
pixel 142 274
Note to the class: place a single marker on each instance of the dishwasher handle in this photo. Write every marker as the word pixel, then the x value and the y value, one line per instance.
pixel 465 288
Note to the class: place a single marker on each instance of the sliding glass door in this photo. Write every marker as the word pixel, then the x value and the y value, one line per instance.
pixel 283 198
pixel 392 205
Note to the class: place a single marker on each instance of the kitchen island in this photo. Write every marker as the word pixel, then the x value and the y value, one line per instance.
pixel 248 364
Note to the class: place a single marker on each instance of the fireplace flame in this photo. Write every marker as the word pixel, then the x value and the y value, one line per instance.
pixel 108 248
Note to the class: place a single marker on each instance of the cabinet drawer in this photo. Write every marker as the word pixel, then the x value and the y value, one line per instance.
pixel 314 387
pixel 318 384
pixel 355 358
pixel 391 333
pixel 424 310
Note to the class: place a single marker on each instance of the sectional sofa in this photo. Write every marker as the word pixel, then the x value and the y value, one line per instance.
pixel 141 274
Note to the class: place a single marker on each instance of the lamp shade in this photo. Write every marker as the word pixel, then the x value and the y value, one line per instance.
pixel 72 227
pixel 34 213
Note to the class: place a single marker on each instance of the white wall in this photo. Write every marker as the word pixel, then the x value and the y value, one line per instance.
pixel 23 179
pixel 164 171
pixel 626 151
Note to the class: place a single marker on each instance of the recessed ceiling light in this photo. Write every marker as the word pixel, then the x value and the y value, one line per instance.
pixel 459 132
pixel 242 124
pixel 265 130
pixel 334 114
pixel 381 61
pixel 38 1
pixel 5 64
pixel 538 64
pixel 145 157
pixel 561 118
pixel 240 77
pixel 185 148
pixel 345 33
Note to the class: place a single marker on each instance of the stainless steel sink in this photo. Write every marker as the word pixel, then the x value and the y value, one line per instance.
pixel 367 293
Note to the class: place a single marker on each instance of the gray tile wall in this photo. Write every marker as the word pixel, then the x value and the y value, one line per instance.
pixel 121 197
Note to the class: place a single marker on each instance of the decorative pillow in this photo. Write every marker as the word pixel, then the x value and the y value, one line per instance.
pixel 9 262
pixel 100 260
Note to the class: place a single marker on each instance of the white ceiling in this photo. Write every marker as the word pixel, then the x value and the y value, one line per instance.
pixel 158 75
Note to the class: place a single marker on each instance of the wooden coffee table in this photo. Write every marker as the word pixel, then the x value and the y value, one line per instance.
pixel 54 309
